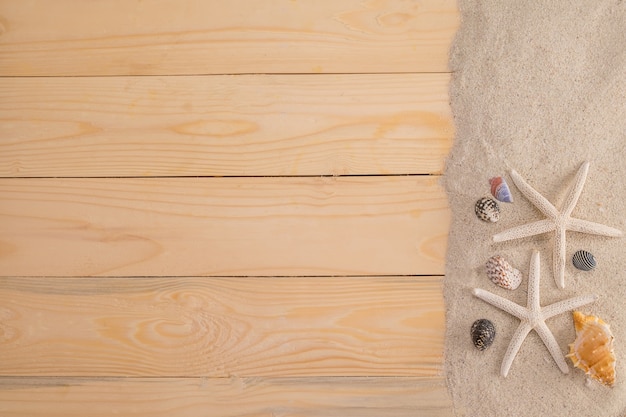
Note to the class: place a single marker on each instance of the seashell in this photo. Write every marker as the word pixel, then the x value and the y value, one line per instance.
pixel 487 209
pixel 584 260
pixel 483 332
pixel 500 190
pixel 592 351
pixel 501 273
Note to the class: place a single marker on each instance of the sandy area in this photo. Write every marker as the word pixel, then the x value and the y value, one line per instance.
pixel 539 87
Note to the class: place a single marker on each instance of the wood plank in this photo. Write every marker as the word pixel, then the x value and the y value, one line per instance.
pixel 224 397
pixel 223 226
pixel 221 327
pixel 224 125
pixel 163 37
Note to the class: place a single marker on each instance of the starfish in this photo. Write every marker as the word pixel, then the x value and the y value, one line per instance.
pixel 533 317
pixel 558 222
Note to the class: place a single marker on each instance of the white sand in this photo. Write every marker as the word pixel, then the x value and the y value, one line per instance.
pixel 538 86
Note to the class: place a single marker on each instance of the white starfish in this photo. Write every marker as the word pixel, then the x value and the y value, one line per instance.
pixel 533 316
pixel 556 221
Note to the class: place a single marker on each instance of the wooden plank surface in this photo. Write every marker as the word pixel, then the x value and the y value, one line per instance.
pixel 224 125
pixel 221 327
pixel 222 226
pixel 135 280
pixel 192 397
pixel 152 37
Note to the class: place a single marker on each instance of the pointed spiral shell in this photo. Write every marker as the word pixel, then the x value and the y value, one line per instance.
pixel 500 190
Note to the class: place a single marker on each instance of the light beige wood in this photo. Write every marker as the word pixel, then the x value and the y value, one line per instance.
pixel 141 37
pixel 224 397
pixel 224 125
pixel 220 327
pixel 140 294
pixel 223 226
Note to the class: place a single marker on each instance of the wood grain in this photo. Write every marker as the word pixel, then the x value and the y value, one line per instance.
pixel 220 327
pixel 155 37
pixel 224 397
pixel 224 125
pixel 222 226
pixel 191 221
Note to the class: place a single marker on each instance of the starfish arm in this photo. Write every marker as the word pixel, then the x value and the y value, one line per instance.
pixel 533 282
pixel 516 342
pixel 567 305
pixel 584 226
pixel 558 257
pixel 501 303
pixel 530 229
pixel 577 188
pixel 534 197
pixel 548 339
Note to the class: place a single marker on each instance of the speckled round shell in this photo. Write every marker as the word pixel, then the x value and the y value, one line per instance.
pixel 487 209
pixel 500 190
pixel 483 332
pixel 592 351
pixel 501 273
pixel 584 260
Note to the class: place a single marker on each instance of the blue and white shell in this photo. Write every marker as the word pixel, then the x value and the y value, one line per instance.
pixel 500 190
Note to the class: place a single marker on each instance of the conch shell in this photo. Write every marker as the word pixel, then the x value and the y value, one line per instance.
pixel 592 351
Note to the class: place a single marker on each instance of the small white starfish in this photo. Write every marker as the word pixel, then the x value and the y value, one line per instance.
pixel 556 221
pixel 533 316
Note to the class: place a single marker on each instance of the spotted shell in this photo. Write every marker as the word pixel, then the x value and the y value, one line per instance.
pixel 592 351
pixel 501 273
pixel 500 190
pixel 584 260
pixel 487 210
pixel 483 332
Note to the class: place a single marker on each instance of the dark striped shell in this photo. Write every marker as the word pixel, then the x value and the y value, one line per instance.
pixel 584 260
pixel 487 209
pixel 483 332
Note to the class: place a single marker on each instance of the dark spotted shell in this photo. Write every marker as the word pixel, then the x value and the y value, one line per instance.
pixel 584 260
pixel 487 209
pixel 483 332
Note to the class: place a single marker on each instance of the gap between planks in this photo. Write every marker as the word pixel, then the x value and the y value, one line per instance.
pixel 252 74
pixel 228 176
